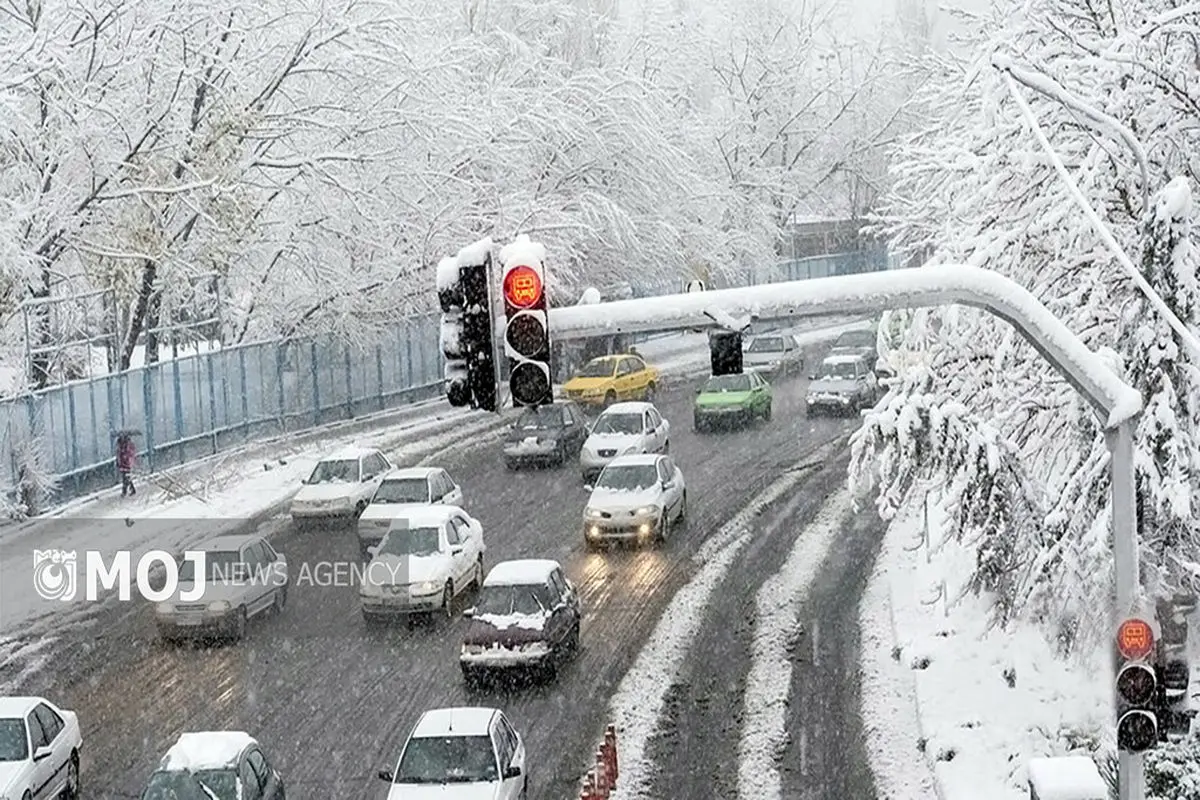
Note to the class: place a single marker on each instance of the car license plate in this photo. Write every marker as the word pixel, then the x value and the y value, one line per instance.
pixel 530 441
pixel 188 621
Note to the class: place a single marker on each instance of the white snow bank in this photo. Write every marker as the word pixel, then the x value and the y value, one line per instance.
pixel 590 296
pixel 523 251
pixel 638 702
pixel 1066 778
pixel 988 700
pixel 849 294
pixel 777 623
pixel 476 254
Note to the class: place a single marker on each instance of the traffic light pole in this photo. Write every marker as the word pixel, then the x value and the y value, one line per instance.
pixel 1131 775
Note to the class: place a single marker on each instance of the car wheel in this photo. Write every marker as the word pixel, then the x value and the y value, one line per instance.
pixel 280 600
pixel 648 395
pixel 767 412
pixel 359 508
pixel 477 581
pixel 448 600
pixel 683 508
pixel 72 791
pixel 664 528
pixel 560 455
pixel 27 796
pixel 666 447
pixel 610 398
pixel 573 640
pixel 239 625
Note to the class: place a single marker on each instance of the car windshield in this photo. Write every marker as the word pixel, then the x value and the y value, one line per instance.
pixel 409 542
pixel 504 600
pixel 13 745
pixel 856 339
pixel 628 477
pixel 727 383
pixel 340 471
pixel 402 490
pixel 183 785
pixel 540 418
pixel 218 566
pixel 600 368
pixel 618 423
pixel 769 344
pixel 448 759
pixel 838 369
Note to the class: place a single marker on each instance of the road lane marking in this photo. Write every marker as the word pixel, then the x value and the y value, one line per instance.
pixel 769 684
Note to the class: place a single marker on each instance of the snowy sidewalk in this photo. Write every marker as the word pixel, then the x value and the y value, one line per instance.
pixel 978 702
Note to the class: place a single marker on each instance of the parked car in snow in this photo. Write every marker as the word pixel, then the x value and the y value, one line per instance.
pixel 244 577
pixel 844 383
pixel 548 434
pixel 39 749
pixel 460 754
pixel 624 429
pixel 427 558
pixel 215 765
pixel 636 499
pixel 527 616
pixel 341 485
pixel 402 489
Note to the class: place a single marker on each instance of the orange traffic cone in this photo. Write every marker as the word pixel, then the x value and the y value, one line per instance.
pixel 610 742
pixel 589 792
pixel 603 784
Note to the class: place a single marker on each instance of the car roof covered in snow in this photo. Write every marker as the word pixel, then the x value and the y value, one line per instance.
pixel 460 721
pixel 11 707
pixel 628 407
pixel 349 454
pixel 635 460
pixel 206 750
pixel 521 572
pixel 228 543
pixel 843 358
pixel 422 515
pixel 403 473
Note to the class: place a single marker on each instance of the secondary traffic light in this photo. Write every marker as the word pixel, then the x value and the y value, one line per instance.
pixel 1137 687
pixel 450 297
pixel 527 323
pixel 1173 707
pixel 464 292
pixel 725 352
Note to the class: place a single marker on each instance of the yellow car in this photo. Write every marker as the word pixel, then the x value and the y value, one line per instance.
pixel 608 379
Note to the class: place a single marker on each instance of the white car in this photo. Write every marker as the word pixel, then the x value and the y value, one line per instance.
pixel 39 749
pixel 426 559
pixel 402 489
pixel 637 498
pixel 244 577
pixel 460 754
pixel 341 485
pixel 624 429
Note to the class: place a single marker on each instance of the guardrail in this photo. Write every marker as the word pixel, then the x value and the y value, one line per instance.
pixel 196 405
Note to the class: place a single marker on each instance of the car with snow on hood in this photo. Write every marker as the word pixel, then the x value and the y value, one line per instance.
pixel 243 577
pixel 401 489
pixel 843 384
pixel 548 434
pixel 429 556
pixel 340 485
pixel 39 749
pixel 734 399
pixel 463 753
pixel 623 429
pixel 527 617
pixel 636 499
pixel 215 765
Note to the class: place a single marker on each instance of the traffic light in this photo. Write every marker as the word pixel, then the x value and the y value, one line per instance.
pixel 475 278
pixel 450 297
pixel 725 351
pixel 1137 687
pixel 464 293
pixel 527 323
pixel 1173 707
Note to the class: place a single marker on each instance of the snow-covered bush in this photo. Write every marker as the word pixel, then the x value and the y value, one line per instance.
pixel 975 187
pixel 1173 771
pixel 36 483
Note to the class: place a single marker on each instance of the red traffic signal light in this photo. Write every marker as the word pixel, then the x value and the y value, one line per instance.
pixel 1135 639
pixel 522 287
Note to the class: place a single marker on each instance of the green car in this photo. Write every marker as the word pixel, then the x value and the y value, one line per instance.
pixel 728 399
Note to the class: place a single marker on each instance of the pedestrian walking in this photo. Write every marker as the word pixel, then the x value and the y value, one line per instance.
pixel 126 457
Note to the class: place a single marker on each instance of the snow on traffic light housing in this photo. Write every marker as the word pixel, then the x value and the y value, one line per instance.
pixel 527 323
pixel 1137 687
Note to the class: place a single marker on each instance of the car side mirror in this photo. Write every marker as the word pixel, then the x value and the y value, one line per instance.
pixel 668 484
pixel 373 550
pixel 699 390
pixel 512 772
pixel 587 487
pixel 386 775
pixel 43 752
pixel 469 612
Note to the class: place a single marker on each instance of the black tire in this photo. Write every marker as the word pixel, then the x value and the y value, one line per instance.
pixel 572 643
pixel 767 413
pixel 664 529
pixel 610 398
pixel 477 579
pixel 448 600
pixel 698 425
pixel 560 455
pixel 648 395
pixel 280 601
pixel 683 508
pixel 360 508
pixel 72 791
pixel 364 553
pixel 666 447
pixel 239 625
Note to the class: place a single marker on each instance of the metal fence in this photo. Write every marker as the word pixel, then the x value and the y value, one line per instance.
pixel 197 405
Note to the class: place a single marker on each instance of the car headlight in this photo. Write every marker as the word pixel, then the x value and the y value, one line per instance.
pixel 219 606
pixel 164 608
pixel 424 587
pixel 648 511
pixel 593 513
